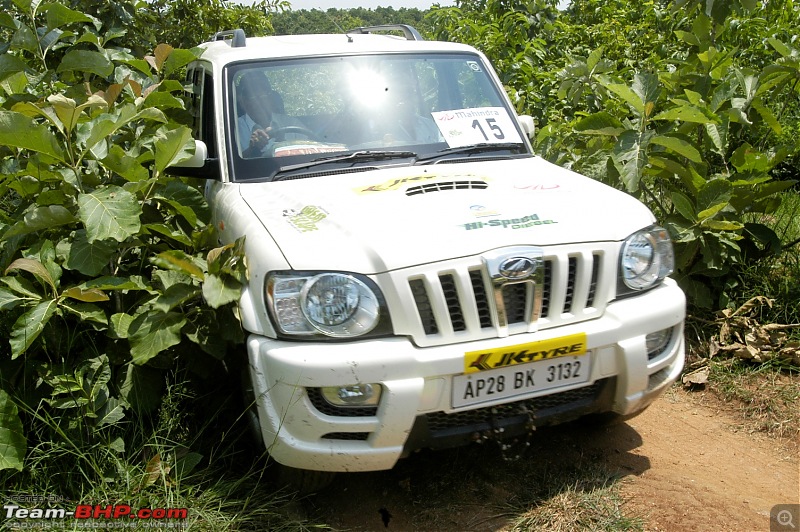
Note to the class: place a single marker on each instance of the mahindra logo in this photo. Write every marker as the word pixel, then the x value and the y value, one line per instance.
pixel 517 267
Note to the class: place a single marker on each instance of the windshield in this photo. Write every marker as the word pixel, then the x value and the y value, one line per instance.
pixel 309 113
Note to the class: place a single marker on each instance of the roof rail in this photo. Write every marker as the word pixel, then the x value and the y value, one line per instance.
pixel 410 33
pixel 237 37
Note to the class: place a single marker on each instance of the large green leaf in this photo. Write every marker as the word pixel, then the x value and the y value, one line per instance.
pixel 124 164
pixel 679 146
pixel 714 192
pixel 36 268
pixel 219 291
pixel 20 131
pixel 630 157
pixel 94 376
pixel 89 258
pixel 602 123
pixel 9 300
pixel 173 146
pixel 627 94
pixel 109 213
pixel 186 200
pixel 111 412
pixel 178 58
pixel 29 326
pixel 175 296
pixel 40 219
pixel 120 324
pixel 69 112
pixel 10 64
pixel 25 39
pixel 686 113
pixel 86 61
pixel 179 261
pixel 12 435
pixel 684 206
pixel 151 333
pixel 59 15
pixel 647 88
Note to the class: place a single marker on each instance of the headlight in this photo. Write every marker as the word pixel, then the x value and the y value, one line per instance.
pixel 334 304
pixel 646 258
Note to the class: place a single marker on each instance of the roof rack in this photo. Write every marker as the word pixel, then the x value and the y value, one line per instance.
pixel 410 33
pixel 237 37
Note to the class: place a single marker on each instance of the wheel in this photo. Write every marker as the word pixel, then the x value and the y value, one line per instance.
pixel 304 481
pixel 280 133
pixel 251 411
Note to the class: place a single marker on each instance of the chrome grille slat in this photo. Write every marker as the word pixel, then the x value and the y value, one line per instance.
pixel 481 299
pixel 453 301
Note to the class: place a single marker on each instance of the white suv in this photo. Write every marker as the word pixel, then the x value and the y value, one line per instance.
pixel 418 277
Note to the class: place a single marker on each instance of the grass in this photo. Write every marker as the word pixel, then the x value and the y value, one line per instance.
pixel 765 393
pixel 766 396
pixel 588 500
pixel 182 457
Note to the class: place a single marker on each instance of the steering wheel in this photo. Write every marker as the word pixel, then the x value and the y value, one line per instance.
pixel 280 133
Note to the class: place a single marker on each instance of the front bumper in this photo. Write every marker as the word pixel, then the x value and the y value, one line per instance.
pixel 417 382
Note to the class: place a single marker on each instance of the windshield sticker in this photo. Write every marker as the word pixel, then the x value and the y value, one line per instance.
pixel 306 149
pixel 306 219
pixel 481 125
pixel 474 66
pixel 509 223
pixel 395 184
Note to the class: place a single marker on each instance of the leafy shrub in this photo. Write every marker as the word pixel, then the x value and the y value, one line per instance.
pixel 660 99
pixel 109 278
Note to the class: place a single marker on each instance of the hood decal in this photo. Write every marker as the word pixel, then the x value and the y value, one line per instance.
pixel 396 184
pixel 509 223
pixel 306 219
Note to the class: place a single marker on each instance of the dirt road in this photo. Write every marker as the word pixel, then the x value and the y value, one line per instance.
pixel 681 465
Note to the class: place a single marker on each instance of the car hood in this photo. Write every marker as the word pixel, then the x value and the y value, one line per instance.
pixel 390 218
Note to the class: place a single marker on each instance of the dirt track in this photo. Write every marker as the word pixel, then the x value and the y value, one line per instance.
pixel 681 465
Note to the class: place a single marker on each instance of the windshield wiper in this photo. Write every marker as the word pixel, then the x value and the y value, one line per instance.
pixel 473 148
pixel 352 157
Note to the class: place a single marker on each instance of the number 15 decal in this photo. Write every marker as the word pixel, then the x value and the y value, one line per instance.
pixel 492 123
pixel 480 125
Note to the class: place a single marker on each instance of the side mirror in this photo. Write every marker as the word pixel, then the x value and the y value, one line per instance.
pixel 198 165
pixel 198 159
pixel 527 125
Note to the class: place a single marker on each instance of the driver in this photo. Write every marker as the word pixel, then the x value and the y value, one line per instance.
pixel 260 119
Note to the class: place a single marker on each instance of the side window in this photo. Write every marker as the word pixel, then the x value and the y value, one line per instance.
pixel 208 131
pixel 201 101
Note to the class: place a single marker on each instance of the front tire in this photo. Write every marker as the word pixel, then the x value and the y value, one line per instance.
pixel 303 480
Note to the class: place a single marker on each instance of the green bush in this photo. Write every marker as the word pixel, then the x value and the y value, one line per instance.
pixel 109 274
pixel 686 105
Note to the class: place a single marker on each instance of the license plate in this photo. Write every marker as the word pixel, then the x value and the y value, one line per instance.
pixel 511 381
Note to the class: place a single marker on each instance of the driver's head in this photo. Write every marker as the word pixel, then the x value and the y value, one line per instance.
pixel 254 90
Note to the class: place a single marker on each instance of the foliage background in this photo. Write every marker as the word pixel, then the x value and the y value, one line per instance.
pixel 117 306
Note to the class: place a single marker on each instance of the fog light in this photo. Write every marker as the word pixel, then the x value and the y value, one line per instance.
pixel 353 395
pixel 657 342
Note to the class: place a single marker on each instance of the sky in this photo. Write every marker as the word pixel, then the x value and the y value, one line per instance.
pixel 370 4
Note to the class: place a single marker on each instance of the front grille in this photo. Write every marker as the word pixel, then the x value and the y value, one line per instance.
pixel 486 418
pixel 454 301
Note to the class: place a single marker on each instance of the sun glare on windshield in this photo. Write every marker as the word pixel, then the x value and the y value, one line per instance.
pixel 370 86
